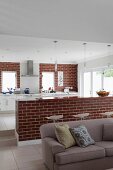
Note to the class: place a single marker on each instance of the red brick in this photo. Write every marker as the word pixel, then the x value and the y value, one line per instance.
pixel 70 75
pixel 29 121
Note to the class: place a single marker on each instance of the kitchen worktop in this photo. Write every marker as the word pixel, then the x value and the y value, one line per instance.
pixel 37 96
pixel 46 96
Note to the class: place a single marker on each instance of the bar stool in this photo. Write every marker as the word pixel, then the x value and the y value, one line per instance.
pixel 81 116
pixel 108 114
pixel 55 118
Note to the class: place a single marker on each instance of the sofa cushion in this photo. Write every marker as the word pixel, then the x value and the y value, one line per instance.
pixel 108 132
pixel 77 154
pixel 82 136
pixel 64 136
pixel 108 145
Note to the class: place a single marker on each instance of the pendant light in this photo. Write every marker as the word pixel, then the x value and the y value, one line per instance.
pixel 109 52
pixel 84 65
pixel 56 65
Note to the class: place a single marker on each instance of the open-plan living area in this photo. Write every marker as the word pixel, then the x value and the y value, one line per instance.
pixel 56 85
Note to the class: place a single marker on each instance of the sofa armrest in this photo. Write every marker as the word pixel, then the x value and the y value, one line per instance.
pixel 55 146
pixel 50 147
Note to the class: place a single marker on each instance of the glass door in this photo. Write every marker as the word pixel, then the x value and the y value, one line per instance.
pixel 97 82
pixel 87 84
pixel 108 80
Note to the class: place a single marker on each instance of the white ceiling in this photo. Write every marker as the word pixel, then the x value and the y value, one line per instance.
pixel 19 48
pixel 29 27
pixel 80 20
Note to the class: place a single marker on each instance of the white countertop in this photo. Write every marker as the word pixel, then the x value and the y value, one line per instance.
pixel 35 94
pixel 47 96
pixel 26 97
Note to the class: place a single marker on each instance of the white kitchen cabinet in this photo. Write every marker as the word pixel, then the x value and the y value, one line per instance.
pixel 8 102
pixel 2 104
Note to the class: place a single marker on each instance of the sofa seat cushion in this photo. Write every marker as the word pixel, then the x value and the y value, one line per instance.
pixel 108 145
pixel 77 154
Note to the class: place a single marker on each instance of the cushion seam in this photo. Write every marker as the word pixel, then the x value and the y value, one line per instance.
pixel 89 151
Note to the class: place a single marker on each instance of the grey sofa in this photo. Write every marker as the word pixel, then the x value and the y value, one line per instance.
pixel 93 157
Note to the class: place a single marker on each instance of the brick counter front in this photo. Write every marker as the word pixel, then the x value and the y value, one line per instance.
pixel 31 114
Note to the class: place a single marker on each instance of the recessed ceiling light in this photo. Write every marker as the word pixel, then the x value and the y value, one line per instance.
pixel 55 41
pixel 84 43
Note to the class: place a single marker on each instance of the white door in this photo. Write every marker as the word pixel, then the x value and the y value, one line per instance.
pixel 108 80
pixel 87 84
pixel 97 82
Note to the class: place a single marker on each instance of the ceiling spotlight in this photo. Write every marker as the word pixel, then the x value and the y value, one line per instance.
pixel 109 45
pixel 55 41
pixel 84 43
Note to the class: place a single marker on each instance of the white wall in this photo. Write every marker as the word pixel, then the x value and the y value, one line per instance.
pixel 97 63
pixel 29 82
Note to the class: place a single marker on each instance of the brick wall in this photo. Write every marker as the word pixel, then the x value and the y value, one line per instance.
pixel 70 75
pixel 10 66
pixel 31 114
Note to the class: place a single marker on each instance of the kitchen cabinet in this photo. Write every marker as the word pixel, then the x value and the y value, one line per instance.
pixel 2 104
pixel 10 104
pixel 7 102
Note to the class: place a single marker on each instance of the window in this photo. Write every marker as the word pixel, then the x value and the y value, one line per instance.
pixel 47 80
pixel 8 80
pixel 97 80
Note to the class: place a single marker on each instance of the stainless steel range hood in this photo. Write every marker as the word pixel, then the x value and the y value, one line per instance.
pixel 29 67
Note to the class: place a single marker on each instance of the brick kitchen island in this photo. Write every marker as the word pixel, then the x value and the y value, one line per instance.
pixel 31 114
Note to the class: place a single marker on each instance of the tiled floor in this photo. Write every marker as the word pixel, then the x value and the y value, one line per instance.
pixel 7 121
pixel 21 158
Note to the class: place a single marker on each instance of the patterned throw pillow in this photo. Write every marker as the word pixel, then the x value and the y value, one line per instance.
pixel 82 136
pixel 64 135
